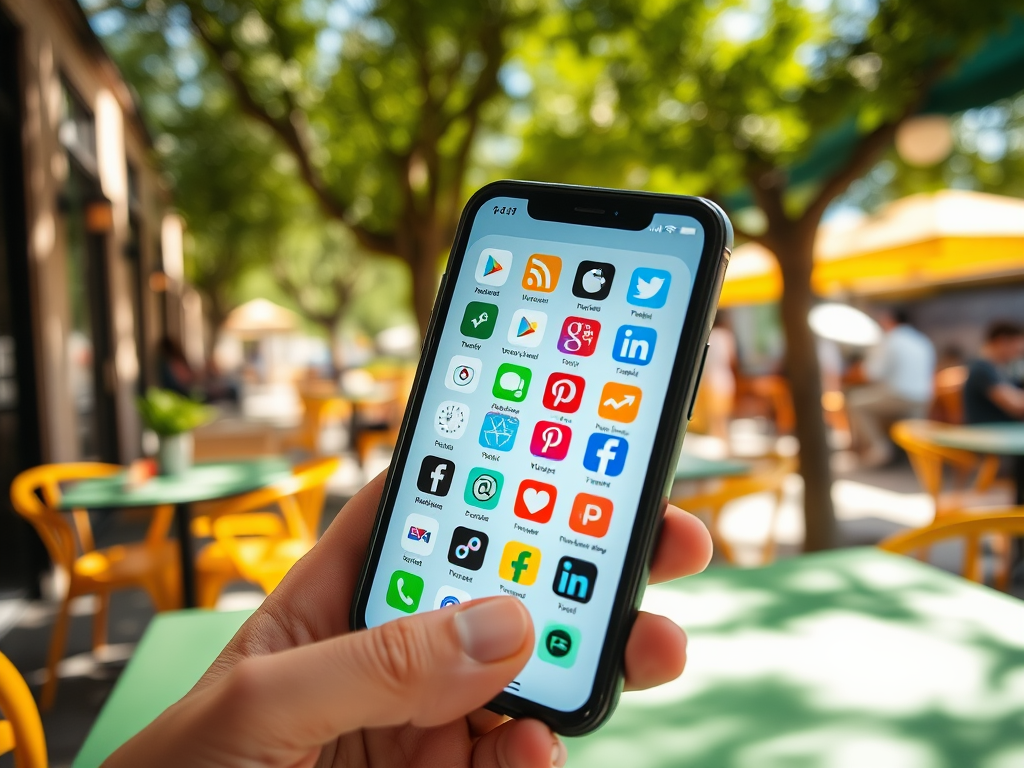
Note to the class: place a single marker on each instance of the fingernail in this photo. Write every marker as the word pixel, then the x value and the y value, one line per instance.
pixel 559 754
pixel 491 630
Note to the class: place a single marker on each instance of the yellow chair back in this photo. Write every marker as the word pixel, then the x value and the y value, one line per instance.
pixel 970 526
pixel 22 731
pixel 36 494
pixel 769 479
pixel 929 459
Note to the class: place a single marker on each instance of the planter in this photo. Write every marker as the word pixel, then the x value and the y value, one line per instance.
pixel 176 453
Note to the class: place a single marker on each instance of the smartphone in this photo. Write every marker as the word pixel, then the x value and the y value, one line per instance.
pixel 542 433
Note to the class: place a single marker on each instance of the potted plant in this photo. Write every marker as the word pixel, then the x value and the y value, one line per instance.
pixel 173 417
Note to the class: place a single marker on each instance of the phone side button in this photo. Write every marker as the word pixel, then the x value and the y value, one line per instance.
pixel 696 386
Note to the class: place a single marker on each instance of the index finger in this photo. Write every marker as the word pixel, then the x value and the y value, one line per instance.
pixel 683 549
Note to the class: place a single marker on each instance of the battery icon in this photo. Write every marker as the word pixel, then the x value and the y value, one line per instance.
pixel 687 230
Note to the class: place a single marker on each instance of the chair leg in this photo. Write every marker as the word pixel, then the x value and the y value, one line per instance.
pixel 719 541
pixel 209 587
pixel 100 620
pixel 1003 546
pixel 58 642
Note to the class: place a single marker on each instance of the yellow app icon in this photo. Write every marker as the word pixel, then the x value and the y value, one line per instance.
pixel 619 402
pixel 519 563
pixel 542 273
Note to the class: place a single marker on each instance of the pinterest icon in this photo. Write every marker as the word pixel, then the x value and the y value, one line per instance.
pixel 563 392
pixel 550 440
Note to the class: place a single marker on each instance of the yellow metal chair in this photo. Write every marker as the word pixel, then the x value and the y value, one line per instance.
pixel 973 474
pixel 769 479
pixel 151 565
pixel 260 546
pixel 22 730
pixel 970 526
pixel 318 410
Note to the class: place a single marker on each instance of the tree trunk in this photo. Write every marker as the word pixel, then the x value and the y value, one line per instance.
pixel 423 257
pixel 804 374
pixel 334 339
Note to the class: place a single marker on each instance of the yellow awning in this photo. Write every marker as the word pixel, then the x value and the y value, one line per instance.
pixel 920 241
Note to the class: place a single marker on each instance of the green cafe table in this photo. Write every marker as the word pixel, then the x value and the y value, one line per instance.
pixel 694 468
pixel 849 658
pixel 202 482
pixel 1006 439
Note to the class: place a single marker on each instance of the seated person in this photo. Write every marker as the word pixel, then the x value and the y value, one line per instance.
pixel 989 396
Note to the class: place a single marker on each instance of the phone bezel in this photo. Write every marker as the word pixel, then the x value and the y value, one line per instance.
pixel 618 209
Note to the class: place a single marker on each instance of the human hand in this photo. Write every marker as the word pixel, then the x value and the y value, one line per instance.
pixel 295 688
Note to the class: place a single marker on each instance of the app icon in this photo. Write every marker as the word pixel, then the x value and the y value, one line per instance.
pixel 483 489
pixel 605 455
pixel 420 534
pixel 550 440
pixel 463 373
pixel 527 328
pixel 542 273
pixel 579 336
pixel 435 475
pixel 535 501
pixel 519 563
pixel 512 382
pixel 498 432
pixel 451 419
pixel 575 579
pixel 559 644
pixel 619 402
pixel 593 280
pixel 493 266
pixel 468 548
pixel 649 287
pixel 447 596
pixel 590 515
pixel 405 591
pixel 563 392
pixel 634 344
pixel 479 319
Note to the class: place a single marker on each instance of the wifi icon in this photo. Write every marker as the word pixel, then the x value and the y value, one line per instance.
pixel 542 273
pixel 670 228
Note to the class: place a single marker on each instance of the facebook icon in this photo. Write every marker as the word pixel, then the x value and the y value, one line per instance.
pixel 605 455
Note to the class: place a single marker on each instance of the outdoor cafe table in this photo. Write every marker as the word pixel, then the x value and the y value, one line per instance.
pixel 693 468
pixel 848 658
pixel 1005 439
pixel 201 482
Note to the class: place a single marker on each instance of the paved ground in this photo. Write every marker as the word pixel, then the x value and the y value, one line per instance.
pixel 870 506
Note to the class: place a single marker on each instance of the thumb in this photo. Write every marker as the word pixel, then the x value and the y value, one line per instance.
pixel 426 669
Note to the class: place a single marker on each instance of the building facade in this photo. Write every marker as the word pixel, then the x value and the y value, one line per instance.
pixel 90 254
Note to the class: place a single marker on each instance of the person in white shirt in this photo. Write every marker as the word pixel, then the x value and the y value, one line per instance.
pixel 901 375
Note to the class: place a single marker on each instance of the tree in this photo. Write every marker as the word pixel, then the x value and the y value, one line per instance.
pixel 379 105
pixel 726 101
pixel 320 270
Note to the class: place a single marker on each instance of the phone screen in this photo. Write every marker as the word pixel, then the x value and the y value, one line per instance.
pixel 527 460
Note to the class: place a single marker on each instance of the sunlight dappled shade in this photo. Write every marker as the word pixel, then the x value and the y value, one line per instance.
pixel 843 660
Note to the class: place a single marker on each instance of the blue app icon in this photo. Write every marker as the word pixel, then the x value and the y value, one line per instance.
pixel 605 455
pixel 634 344
pixel 498 432
pixel 648 287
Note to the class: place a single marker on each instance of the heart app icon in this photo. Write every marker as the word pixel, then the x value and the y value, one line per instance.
pixel 535 501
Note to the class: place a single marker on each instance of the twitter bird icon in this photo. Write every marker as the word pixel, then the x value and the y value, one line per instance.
pixel 649 287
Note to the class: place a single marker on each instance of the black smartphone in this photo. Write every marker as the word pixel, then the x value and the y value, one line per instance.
pixel 554 386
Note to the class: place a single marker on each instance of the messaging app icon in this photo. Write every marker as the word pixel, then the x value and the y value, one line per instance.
pixel 649 287
pixel 512 382
pixel 483 489
pixel 559 644
pixel 494 266
pixel 479 319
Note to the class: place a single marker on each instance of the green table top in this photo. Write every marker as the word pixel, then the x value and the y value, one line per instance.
pixel 202 482
pixel 692 467
pixel 1006 439
pixel 852 657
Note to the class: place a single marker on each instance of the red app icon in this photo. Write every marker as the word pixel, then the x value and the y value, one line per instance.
pixel 550 440
pixel 579 336
pixel 535 501
pixel 563 392
pixel 590 515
